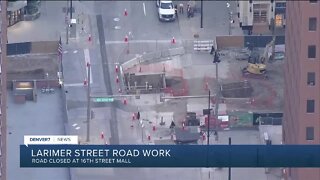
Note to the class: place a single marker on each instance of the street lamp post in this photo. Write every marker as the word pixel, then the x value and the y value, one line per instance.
pixel 201 18
pixel 216 60
pixel 208 129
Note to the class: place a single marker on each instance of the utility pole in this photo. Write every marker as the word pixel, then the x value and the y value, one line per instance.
pixel 216 60
pixel 201 18
pixel 67 23
pixel 70 9
pixel 88 102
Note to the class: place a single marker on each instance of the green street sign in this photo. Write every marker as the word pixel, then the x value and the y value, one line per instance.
pixel 103 99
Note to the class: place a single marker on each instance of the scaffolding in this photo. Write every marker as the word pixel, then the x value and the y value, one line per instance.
pixel 3 93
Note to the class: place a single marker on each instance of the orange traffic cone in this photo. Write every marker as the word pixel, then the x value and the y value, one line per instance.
pixel 117 68
pixel 173 41
pixel 85 82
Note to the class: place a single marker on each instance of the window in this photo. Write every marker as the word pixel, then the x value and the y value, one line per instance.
pixel 166 6
pixel 312 24
pixel 311 51
pixel 310 106
pixel 311 78
pixel 310 133
pixel 313 1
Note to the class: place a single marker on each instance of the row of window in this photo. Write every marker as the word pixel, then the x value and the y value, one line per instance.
pixel 311 75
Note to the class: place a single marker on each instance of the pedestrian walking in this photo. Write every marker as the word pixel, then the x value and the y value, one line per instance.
pixel 181 8
pixel 176 10
pixel 188 11
pixel 216 135
pixel 212 50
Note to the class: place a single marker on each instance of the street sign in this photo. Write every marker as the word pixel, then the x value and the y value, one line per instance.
pixel 102 99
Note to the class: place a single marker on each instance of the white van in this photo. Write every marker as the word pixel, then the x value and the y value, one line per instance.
pixel 166 10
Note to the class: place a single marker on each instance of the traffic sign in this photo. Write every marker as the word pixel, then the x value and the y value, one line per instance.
pixel 103 99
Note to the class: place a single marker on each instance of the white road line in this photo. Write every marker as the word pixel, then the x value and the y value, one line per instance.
pixel 87 60
pixel 139 41
pixel 73 84
pixel 144 9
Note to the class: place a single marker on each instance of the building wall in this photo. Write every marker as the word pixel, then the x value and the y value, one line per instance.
pixel 3 93
pixel 297 91
pixel 246 18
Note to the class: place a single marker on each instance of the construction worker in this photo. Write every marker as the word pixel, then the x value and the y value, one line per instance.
pixel 181 8
pixel 176 10
pixel 216 135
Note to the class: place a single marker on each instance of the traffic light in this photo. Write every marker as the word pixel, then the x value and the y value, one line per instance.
pixel 216 58
pixel 92 114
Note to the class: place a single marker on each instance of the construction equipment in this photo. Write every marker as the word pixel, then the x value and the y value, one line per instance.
pixel 256 67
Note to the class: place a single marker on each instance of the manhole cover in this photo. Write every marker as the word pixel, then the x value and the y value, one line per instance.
pixel 116 19
pixel 117 27
pixel 196 35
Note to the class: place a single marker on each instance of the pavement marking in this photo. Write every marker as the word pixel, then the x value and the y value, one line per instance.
pixel 87 60
pixel 73 84
pixel 65 52
pixel 144 9
pixel 75 51
pixel 75 124
pixel 77 128
pixel 139 41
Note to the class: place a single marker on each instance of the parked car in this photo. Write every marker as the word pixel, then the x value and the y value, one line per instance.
pixel 166 10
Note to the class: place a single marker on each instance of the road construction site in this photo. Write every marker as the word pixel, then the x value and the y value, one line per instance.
pixel 165 88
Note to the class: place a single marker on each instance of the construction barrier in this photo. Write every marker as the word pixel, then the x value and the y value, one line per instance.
pixel 203 45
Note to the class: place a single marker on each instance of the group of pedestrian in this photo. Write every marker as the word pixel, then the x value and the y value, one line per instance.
pixel 190 9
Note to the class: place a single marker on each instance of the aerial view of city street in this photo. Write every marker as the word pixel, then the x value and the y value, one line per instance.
pixel 157 73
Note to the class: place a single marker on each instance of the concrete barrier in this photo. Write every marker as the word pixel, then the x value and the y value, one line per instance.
pixel 153 56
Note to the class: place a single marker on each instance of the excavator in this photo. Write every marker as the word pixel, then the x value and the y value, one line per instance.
pixel 256 67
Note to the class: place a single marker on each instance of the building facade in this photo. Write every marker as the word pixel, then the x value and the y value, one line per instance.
pixel 260 13
pixel 302 80
pixel 16 11
pixel 22 11
pixel 3 92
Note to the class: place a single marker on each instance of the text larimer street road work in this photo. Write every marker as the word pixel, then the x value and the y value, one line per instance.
pixel 100 153
pixel 94 156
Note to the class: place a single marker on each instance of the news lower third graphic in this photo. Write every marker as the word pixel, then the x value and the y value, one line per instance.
pixel 64 151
